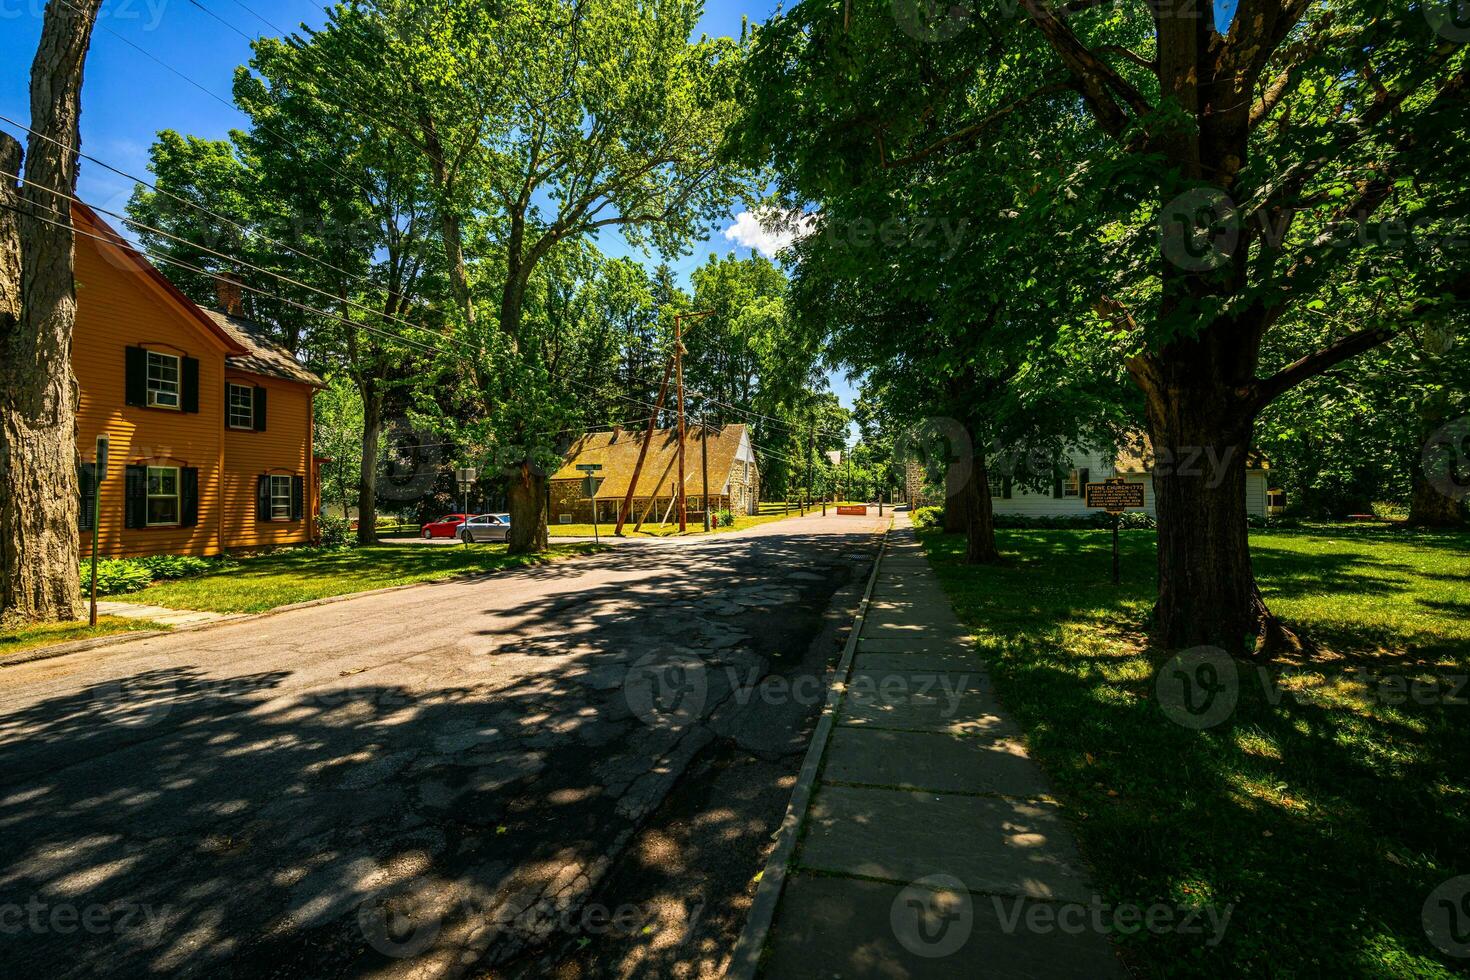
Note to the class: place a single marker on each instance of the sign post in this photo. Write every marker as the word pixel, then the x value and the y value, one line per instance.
pixel 1115 496
pixel 466 477
pixel 589 489
pixel 99 470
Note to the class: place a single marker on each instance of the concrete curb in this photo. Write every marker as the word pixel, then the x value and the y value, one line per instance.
pixel 80 646
pixel 745 957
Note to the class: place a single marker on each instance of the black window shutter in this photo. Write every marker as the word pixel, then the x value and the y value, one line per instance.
pixel 1056 488
pixel 1005 487
pixel 259 409
pixel 227 403
pixel 135 497
pixel 188 496
pixel 135 377
pixel 86 493
pixel 263 497
pixel 189 385
pixel 1082 476
pixel 298 497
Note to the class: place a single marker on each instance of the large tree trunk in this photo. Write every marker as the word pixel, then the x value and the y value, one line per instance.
pixel 979 518
pixel 39 541
pixel 367 473
pixel 1207 590
pixel 527 497
pixel 1430 507
pixel 1438 489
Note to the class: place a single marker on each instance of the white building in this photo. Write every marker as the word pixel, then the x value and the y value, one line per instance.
pixel 1064 498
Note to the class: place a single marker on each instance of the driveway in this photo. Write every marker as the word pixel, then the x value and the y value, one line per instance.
pixel 575 766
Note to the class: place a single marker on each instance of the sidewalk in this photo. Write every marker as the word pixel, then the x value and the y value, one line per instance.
pixel 158 614
pixel 932 848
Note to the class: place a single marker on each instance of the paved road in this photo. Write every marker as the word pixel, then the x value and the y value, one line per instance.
pixel 561 768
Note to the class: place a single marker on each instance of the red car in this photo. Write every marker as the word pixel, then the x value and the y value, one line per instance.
pixel 445 527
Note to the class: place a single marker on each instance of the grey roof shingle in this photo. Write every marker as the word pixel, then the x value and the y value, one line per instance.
pixel 263 355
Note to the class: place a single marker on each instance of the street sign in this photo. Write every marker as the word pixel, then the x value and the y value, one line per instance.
pixel 1115 495
pixel 589 467
pixel 589 485
pixel 101 457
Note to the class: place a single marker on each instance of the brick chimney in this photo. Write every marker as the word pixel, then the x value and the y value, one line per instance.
pixel 231 296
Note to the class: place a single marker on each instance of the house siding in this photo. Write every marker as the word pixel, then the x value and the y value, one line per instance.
pixel 118 307
pixel 284 448
pixel 1041 503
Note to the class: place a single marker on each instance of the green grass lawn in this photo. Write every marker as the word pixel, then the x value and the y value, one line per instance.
pixel 769 511
pixel 1322 810
pixel 50 634
pixel 301 574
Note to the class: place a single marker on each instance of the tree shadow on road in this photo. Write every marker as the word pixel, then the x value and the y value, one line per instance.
pixel 450 809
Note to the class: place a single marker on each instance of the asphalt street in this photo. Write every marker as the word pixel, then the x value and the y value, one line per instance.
pixel 568 770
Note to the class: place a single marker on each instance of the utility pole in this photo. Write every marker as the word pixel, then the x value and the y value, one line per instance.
pixel 811 449
pixel 627 509
pixel 704 464
pixel 679 373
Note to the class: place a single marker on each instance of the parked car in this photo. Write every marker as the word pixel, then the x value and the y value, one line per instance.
pixel 445 527
pixel 486 527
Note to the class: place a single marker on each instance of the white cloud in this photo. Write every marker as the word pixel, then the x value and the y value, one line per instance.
pixel 769 236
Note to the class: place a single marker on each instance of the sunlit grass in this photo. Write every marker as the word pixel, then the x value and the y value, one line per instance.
pixel 300 575
pixel 1325 809
pixel 48 634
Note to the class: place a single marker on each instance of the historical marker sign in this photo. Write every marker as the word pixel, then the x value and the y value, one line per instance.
pixel 1115 495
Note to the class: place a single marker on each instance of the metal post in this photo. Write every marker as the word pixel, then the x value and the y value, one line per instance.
pixel 1117 574
pixel 595 538
pixel 99 470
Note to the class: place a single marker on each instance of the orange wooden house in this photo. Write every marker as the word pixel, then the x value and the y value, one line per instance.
pixel 209 422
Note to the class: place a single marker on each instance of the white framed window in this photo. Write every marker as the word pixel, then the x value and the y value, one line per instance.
pixel 280 498
pixel 163 495
pixel 242 407
pixel 1072 485
pixel 997 484
pixel 163 380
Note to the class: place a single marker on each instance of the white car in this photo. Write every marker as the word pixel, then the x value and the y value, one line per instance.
pixel 485 527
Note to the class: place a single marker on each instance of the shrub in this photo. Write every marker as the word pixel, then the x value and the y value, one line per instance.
pixel 334 532
pixel 724 518
pixel 928 518
pixel 175 566
pixel 115 576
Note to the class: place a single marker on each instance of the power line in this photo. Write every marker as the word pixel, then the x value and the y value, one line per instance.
pixel 275 275
pixel 213 95
pixel 186 202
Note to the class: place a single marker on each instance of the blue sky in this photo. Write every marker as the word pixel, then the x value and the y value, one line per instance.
pixel 127 97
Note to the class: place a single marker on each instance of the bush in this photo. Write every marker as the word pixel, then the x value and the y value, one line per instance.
pixel 175 566
pixel 334 532
pixel 116 576
pixel 929 518
pixel 724 518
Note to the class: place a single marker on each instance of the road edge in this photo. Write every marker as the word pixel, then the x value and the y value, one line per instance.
pixel 745 957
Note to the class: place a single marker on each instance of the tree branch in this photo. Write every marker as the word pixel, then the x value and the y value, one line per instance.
pixel 969 132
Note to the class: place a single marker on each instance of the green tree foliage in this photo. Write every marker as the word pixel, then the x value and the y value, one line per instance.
pixel 1154 180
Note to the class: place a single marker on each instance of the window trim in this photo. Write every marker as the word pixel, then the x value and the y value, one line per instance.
pixel 996 484
pixel 150 392
pixel 249 425
pixel 286 478
pixel 149 496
